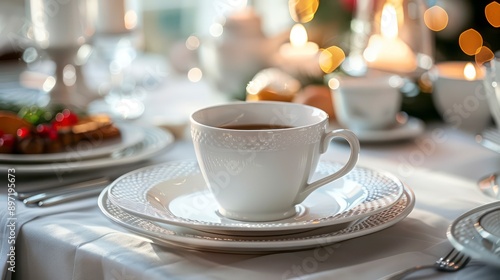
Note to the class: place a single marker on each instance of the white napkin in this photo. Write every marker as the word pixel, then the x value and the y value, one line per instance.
pixel 24 214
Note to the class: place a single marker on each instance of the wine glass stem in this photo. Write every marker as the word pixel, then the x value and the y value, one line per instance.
pixel 61 93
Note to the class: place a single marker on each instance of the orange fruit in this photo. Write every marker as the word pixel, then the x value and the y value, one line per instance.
pixel 10 122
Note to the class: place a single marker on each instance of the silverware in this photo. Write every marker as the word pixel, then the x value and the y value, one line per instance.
pixel 489 186
pixel 453 261
pixel 70 196
pixel 34 198
pixel 52 185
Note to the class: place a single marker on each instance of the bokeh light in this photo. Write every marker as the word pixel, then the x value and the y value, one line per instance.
pixel 331 58
pixel 436 18
pixel 470 41
pixel 69 75
pixel 333 83
pixel 192 43
pixel 216 29
pixel 49 83
pixel 195 74
pixel 30 55
pixel 484 55
pixel 492 13
pixel 303 10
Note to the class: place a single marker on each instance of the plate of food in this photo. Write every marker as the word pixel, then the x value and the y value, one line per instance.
pixel 156 141
pixel 39 136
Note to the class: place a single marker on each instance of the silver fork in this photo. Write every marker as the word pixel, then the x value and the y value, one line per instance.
pixel 453 261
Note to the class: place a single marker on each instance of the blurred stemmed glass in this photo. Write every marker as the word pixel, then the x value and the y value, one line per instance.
pixel 117 34
pixel 60 29
pixel 492 87
pixel 491 138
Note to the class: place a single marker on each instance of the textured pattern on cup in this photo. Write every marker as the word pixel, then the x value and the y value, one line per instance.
pixel 257 141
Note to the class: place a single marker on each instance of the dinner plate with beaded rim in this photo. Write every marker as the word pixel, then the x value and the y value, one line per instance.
pixel 189 238
pixel 155 140
pixel 175 193
pixel 464 237
pixel 130 136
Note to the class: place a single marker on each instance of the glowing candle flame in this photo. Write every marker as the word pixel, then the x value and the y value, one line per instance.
pixel 389 21
pixel 298 35
pixel 130 20
pixel 299 47
pixel 387 51
pixel 469 72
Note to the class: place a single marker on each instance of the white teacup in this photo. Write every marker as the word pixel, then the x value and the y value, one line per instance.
pixel 261 174
pixel 461 102
pixel 367 103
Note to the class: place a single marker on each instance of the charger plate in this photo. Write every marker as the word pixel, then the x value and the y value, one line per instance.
pixel 175 193
pixel 488 225
pixel 464 236
pixel 171 235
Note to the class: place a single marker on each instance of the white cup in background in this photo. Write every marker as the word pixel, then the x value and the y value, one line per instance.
pixel 261 174
pixel 367 103
pixel 459 96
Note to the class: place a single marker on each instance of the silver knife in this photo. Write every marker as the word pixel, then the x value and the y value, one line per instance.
pixel 94 183
pixel 70 196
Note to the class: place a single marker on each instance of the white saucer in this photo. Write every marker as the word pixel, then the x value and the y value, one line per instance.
pixel 130 136
pixel 170 235
pixel 463 235
pixel 175 193
pixel 412 128
pixel 155 140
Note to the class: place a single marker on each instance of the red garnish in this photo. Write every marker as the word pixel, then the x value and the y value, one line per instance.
pixel 59 117
pixel 23 132
pixel 66 112
pixel 72 118
pixel 43 129
pixel 65 118
pixel 7 140
pixel 53 135
pixel 47 130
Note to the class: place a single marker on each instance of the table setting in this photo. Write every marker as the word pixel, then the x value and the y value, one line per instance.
pixel 321 140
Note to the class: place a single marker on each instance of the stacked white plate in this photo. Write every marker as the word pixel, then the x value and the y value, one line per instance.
pixel 170 204
pixel 136 143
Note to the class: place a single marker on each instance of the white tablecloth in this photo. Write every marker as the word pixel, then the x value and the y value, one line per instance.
pixel 75 241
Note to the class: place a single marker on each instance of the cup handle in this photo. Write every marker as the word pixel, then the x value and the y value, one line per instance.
pixel 353 159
